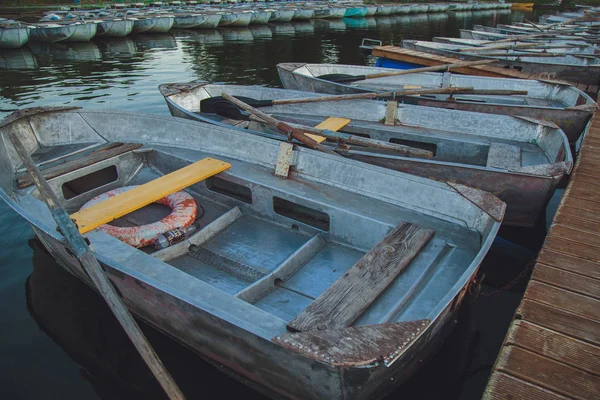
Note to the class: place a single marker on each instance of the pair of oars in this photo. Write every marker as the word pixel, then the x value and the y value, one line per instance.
pixel 346 78
pixel 298 132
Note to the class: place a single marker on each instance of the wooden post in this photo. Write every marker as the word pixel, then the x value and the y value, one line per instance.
pixel 92 267
pixel 390 112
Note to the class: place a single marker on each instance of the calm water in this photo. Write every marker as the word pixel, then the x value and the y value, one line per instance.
pixel 43 346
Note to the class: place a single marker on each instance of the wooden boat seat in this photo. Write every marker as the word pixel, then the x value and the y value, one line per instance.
pixel 138 197
pixel 505 156
pixel 331 124
pixel 349 296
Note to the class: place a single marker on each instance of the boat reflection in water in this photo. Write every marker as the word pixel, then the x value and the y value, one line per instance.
pixel 145 41
pixel 76 51
pixel 209 37
pixel 283 29
pixel 303 27
pixel 360 23
pixel 17 59
pixel 237 34
pixel 78 320
pixel 330 24
pixel 117 47
pixel 261 32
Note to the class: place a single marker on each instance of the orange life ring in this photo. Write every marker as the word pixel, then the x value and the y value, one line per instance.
pixel 183 214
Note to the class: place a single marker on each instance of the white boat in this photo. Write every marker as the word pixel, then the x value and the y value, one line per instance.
pixel 260 17
pixel 13 35
pixel 559 102
pixel 50 32
pixel 84 31
pixel 269 249
pixel 304 13
pixel 117 27
pixel 281 15
pixel 153 23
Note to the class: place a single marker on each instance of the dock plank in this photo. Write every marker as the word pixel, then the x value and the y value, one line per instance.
pixel 502 386
pixel 576 235
pixel 579 250
pixel 565 300
pixel 569 263
pixel 567 280
pixel 576 222
pixel 549 374
pixel 345 300
pixel 561 321
pixel 575 353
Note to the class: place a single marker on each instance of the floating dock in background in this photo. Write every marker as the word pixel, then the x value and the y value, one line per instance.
pixel 552 349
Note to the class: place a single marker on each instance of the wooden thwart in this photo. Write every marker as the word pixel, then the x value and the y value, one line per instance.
pixel 344 301
pixel 100 154
pixel 331 124
pixel 136 198
pixel 355 345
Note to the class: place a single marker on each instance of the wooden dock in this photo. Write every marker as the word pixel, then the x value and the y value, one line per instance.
pixel 552 349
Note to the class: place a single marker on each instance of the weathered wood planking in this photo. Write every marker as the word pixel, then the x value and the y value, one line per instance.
pixel 102 153
pixel 559 347
pixel 355 345
pixel 552 350
pixel 548 374
pixel 345 300
pixel 429 60
pixel 502 386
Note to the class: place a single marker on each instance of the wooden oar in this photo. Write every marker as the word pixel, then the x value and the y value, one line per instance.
pixel 221 106
pixel 514 38
pixel 298 133
pixel 472 49
pixel 91 266
pixel 290 131
pixel 342 78
pixel 534 25
pixel 531 54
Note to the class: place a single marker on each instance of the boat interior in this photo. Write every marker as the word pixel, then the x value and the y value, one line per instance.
pixel 487 141
pixel 540 94
pixel 277 244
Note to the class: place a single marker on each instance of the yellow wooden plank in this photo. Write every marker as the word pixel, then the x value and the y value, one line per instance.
pixel 331 124
pixel 136 198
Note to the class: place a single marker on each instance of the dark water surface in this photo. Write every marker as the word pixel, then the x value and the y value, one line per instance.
pixel 57 340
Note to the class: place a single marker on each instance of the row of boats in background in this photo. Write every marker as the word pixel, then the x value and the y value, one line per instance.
pixel 566 50
pixel 83 25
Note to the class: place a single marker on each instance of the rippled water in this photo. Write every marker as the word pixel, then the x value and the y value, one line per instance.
pixel 124 74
